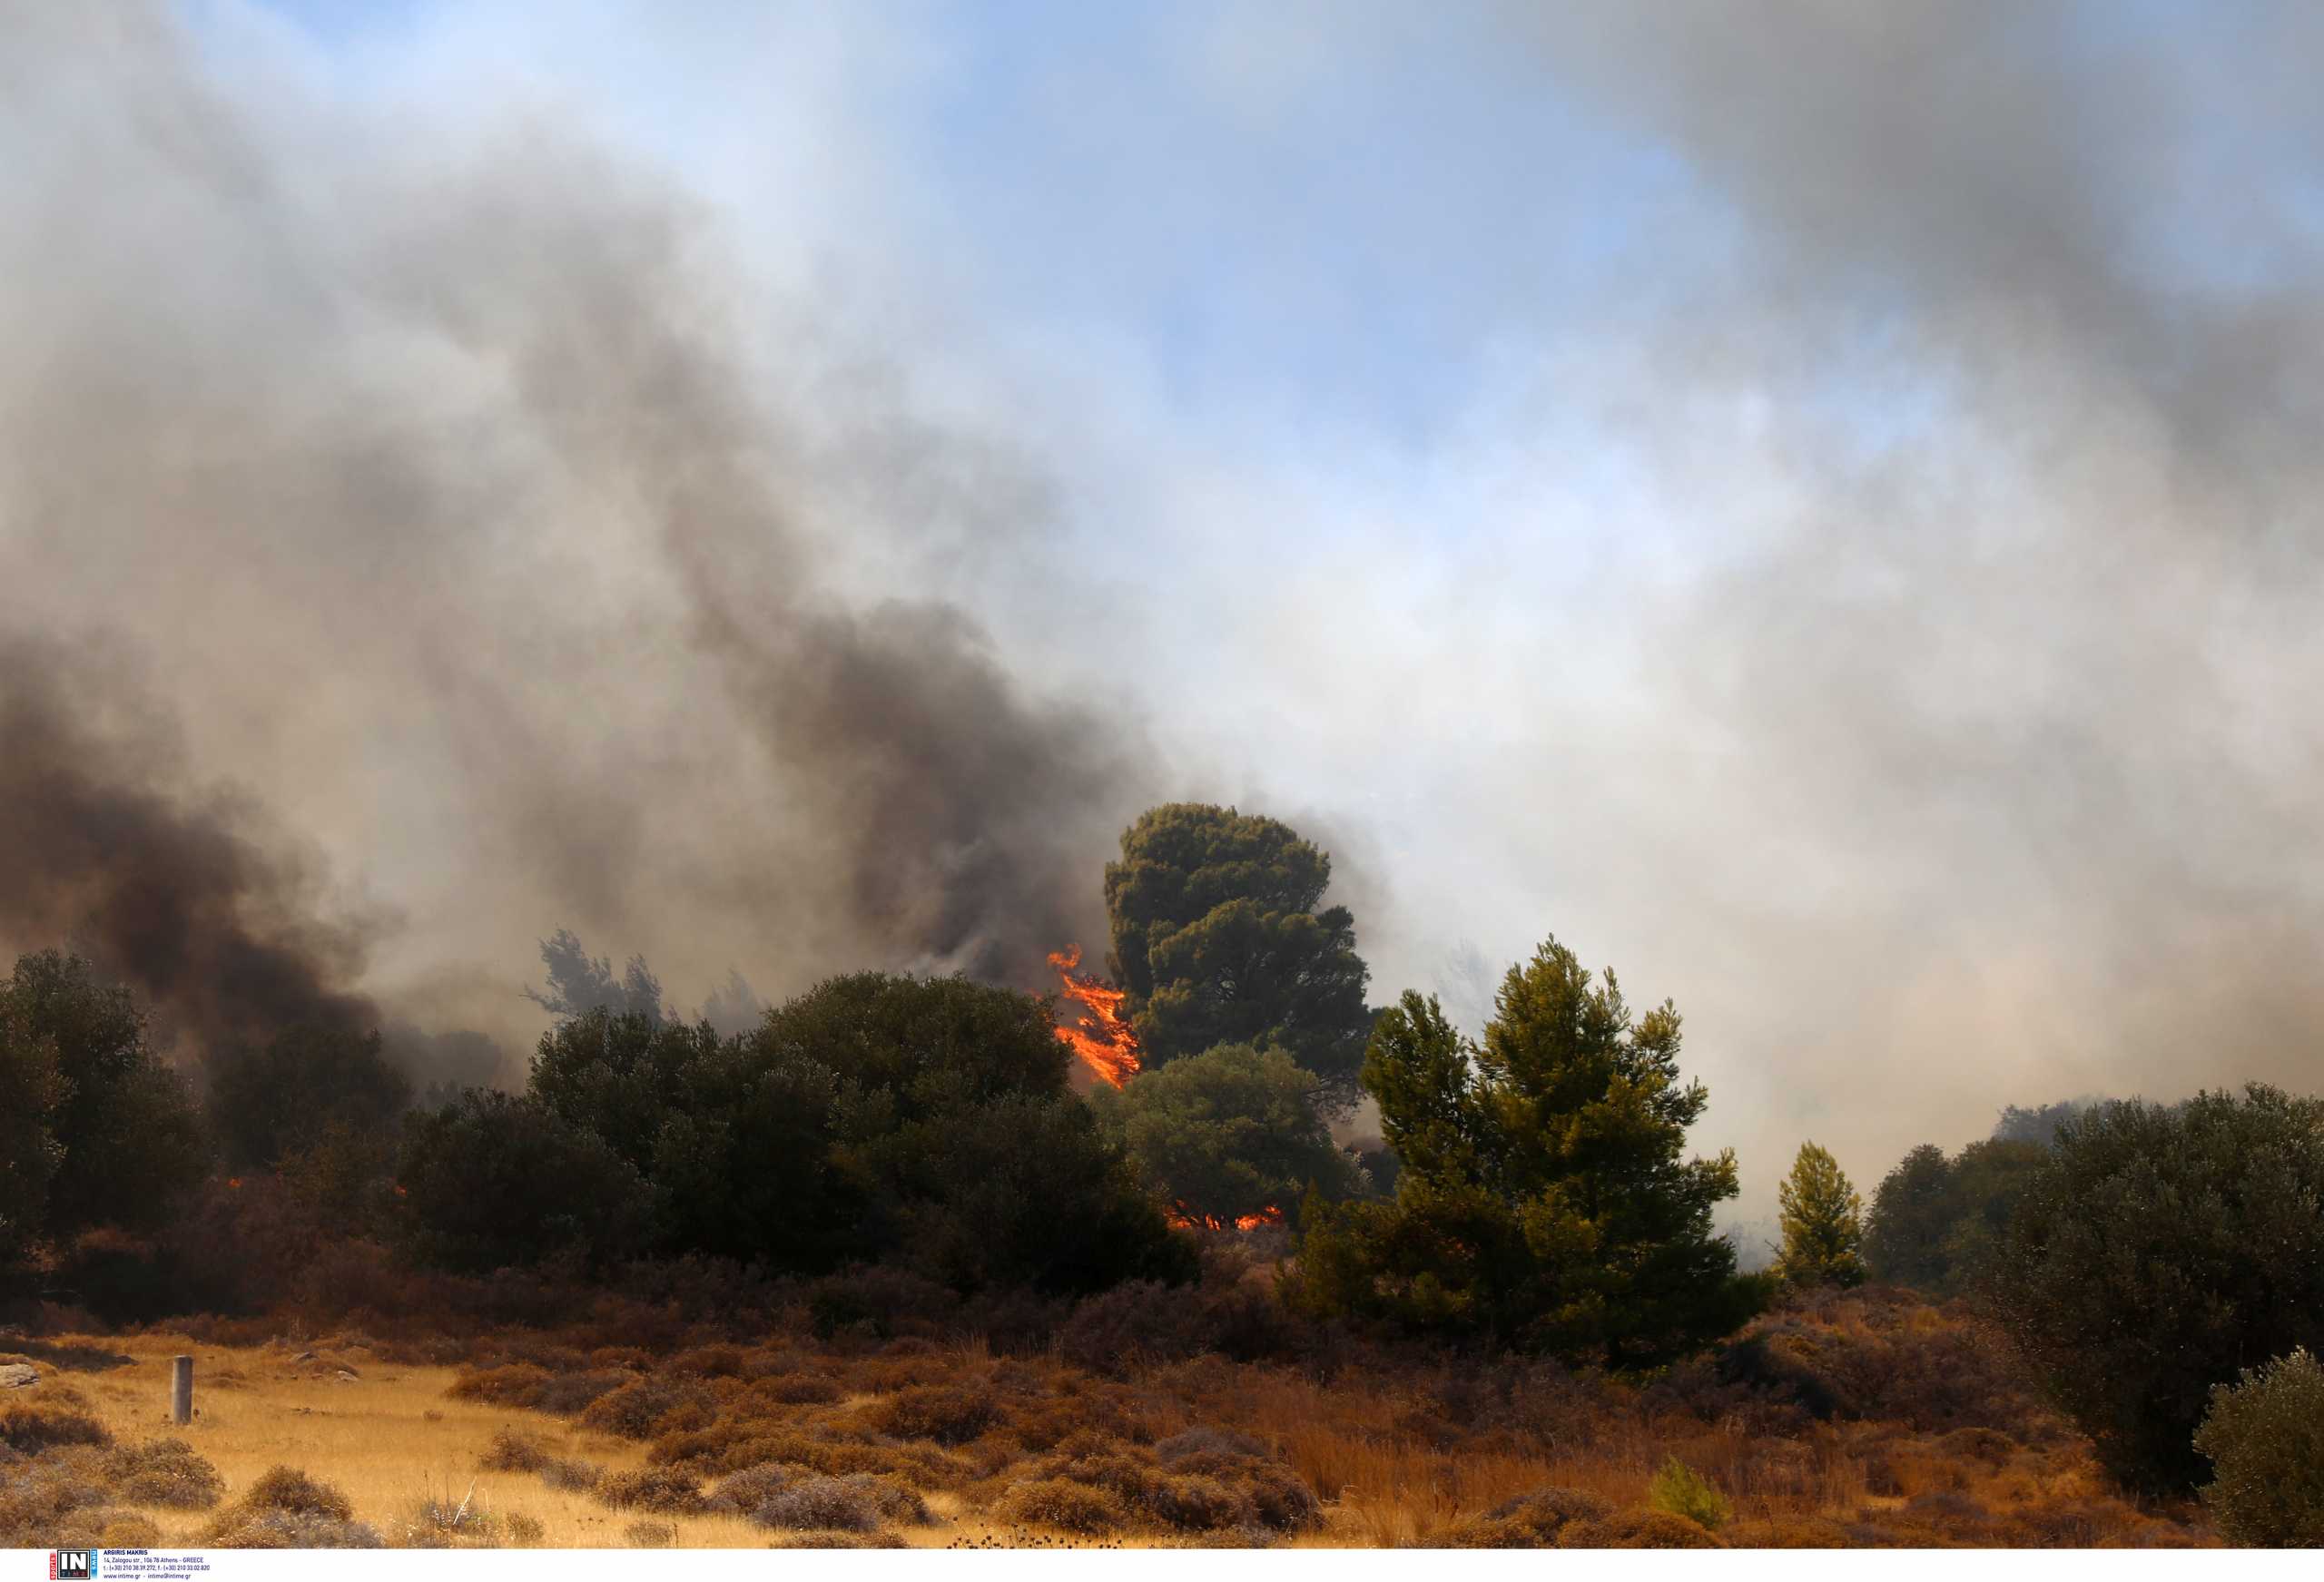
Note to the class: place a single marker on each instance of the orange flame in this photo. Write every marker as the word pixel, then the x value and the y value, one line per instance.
pixel 1098 1036
pixel 1186 1219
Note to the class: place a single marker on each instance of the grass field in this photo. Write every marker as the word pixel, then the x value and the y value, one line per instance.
pixel 1918 1437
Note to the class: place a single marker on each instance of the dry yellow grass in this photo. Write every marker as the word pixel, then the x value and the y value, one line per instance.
pixel 388 1439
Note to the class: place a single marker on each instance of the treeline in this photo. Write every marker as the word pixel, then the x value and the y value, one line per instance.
pixel 1531 1190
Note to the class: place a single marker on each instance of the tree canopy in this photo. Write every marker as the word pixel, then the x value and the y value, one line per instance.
pixel 1823 1222
pixel 2156 1252
pixel 1226 1135
pixel 110 1134
pixel 1936 1222
pixel 1217 935
pixel 1545 1200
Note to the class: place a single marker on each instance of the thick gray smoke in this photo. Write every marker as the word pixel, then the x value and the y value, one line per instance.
pixel 422 477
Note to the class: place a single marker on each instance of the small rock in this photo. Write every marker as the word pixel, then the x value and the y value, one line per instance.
pixel 304 1357
pixel 15 1375
pixel 345 1376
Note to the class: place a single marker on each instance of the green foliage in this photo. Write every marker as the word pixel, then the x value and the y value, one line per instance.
pixel 491 1181
pixel 1227 1133
pixel 122 1138
pixel 31 1089
pixel 1823 1222
pixel 1217 938
pixel 874 1116
pixel 2265 1439
pixel 1680 1490
pixel 1544 1200
pixel 2159 1252
pixel 1936 1223
pixel 271 1100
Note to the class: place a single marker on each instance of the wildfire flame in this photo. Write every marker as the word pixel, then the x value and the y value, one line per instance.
pixel 1099 1035
pixel 1186 1219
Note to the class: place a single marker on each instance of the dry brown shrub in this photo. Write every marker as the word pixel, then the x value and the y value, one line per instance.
pixel 656 1489
pixel 287 1510
pixel 1274 1493
pixel 746 1490
pixel 574 1476
pixel 525 1531
pixel 288 1490
pixel 791 1389
pixel 947 1414
pixel 1637 1528
pixel 38 1425
pixel 513 1452
pixel 36 1495
pixel 508 1384
pixel 840 1540
pixel 650 1534
pixel 164 1472
pixel 1195 1503
pixel 857 1503
pixel 644 1408
pixel 1055 1502
pixel 1990 1446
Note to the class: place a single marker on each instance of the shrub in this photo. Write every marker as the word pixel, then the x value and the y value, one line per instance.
pixel 644 1407
pixel 2265 1439
pixel 166 1472
pixel 650 1534
pixel 1073 1508
pixel 1529 1521
pixel 948 1414
pixel 1638 1529
pixel 513 1452
pixel 2154 1251
pixel 1681 1491
pixel 744 1491
pixel 577 1477
pixel 525 1531
pixel 1196 1503
pixel 292 1492
pixel 34 1426
pixel 857 1503
pixel 287 1510
pixel 655 1488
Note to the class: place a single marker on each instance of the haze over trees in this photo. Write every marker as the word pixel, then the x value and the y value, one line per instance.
pixel 1546 1202
pixel 1936 1222
pixel 1218 935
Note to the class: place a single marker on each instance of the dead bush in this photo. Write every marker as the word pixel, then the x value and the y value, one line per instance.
pixel 644 1408
pixel 1054 1502
pixel 166 1472
pixel 746 1490
pixel 1637 1528
pixel 289 1491
pixel 574 1476
pixel 1529 1521
pixel 948 1414
pixel 840 1540
pixel 1274 1493
pixel 1195 1503
pixel 513 1452
pixel 650 1534
pixel 287 1510
pixel 856 1503
pixel 34 1426
pixel 665 1489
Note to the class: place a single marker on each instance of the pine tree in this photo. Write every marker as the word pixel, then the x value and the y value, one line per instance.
pixel 1545 1201
pixel 1823 1222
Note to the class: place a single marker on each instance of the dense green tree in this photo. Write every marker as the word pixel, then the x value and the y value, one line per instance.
pixel 1936 1223
pixel 490 1180
pixel 1227 1133
pixel 129 1137
pixel 31 1089
pixel 268 1101
pixel 2264 1438
pixel 2039 1123
pixel 1219 938
pixel 2156 1254
pixel 1823 1222
pixel 875 1115
pixel 1545 1201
